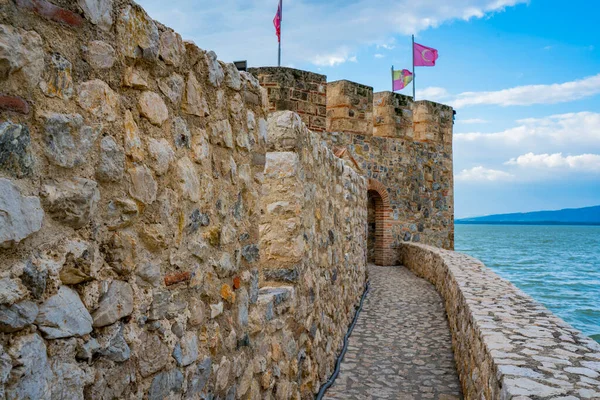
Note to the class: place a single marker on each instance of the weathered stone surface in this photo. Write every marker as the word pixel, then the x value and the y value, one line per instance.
pixel 21 55
pixel 194 102
pixel 149 273
pixel 133 144
pixel 188 179
pixel 181 134
pixel 35 278
pixel 18 316
pixel 67 139
pixel 71 202
pixel 251 253
pixel 33 377
pixel 112 381
pixel 134 78
pixel 186 351
pixel 154 236
pixel 223 373
pixel 58 81
pixel 121 213
pixel 171 48
pixel 99 99
pixel 51 12
pixel 152 354
pixel 69 379
pixel 112 161
pixel 172 87
pixel 143 186
pixel 99 54
pixel 199 378
pixel 137 33
pixel 115 304
pixel 5 368
pixel 162 154
pixel 152 106
pixel 20 216
pixel 165 384
pixel 14 104
pixel 15 149
pixel 10 291
pixel 232 77
pixel 221 134
pixel 64 315
pixel 215 71
pixel 98 12
pixel 112 344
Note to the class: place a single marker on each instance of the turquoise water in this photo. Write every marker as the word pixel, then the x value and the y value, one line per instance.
pixel 559 266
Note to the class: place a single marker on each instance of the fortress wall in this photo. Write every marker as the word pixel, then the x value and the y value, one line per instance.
pixel 131 166
pixel 303 92
pixel 349 107
pixel 506 345
pixel 312 245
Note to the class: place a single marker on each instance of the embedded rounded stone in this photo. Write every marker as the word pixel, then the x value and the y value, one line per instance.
pixel 17 316
pixel 58 81
pixel 115 304
pixel 98 12
pixel 152 354
pixel 21 55
pixel 112 161
pixel 162 154
pixel 215 71
pixel 152 106
pixel 134 78
pixel 71 202
pixel 165 384
pixel 186 351
pixel 99 54
pixel 137 33
pixel 181 133
pixel 133 144
pixel 172 87
pixel 189 180
pixel 67 140
pixel 171 49
pixel 199 376
pixel 10 291
pixel 143 186
pixel 233 78
pixel 34 374
pixel 99 99
pixel 15 149
pixel 64 315
pixel 193 102
pixel 20 216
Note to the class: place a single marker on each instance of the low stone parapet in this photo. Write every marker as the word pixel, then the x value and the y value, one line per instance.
pixel 506 345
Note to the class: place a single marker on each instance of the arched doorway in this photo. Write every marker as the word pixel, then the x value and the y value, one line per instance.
pixel 379 235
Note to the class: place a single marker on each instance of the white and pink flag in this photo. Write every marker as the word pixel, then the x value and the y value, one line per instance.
pixel 424 56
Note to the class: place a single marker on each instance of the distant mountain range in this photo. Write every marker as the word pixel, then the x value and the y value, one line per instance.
pixel 569 216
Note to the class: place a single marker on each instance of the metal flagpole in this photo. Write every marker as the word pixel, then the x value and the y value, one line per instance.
pixel 392 79
pixel 280 25
pixel 413 58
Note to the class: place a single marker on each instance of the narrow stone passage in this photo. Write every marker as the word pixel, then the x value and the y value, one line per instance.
pixel 401 345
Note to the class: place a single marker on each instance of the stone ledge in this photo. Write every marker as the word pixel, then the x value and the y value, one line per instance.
pixel 506 344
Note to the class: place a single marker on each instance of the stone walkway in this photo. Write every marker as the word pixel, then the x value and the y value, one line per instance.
pixel 401 345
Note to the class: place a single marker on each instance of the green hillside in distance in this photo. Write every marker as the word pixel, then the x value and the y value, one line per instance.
pixel 569 216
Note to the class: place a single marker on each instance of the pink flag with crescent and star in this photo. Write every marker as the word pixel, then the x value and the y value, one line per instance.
pixel 277 21
pixel 424 56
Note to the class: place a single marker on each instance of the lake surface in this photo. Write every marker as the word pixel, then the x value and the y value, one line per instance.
pixel 559 266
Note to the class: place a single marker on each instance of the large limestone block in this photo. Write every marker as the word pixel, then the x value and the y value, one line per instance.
pixel 21 55
pixel 64 315
pixel 15 149
pixel 152 106
pixel 20 216
pixel 137 33
pixel 67 139
pixel 99 12
pixel 99 99
pixel 71 202
pixel 33 378
pixel 115 304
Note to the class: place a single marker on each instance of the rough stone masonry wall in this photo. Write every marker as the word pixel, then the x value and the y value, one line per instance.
pixel 130 169
pixel 312 245
pixel 409 153
pixel 506 345
pixel 302 92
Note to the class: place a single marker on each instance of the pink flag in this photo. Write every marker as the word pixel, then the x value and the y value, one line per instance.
pixel 402 79
pixel 424 56
pixel 277 21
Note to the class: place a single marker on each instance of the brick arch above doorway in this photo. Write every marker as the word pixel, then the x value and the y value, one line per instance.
pixel 383 252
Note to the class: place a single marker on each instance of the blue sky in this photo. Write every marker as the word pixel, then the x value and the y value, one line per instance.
pixel 524 77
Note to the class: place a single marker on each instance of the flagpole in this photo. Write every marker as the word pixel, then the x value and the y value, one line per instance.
pixel 392 79
pixel 281 25
pixel 413 58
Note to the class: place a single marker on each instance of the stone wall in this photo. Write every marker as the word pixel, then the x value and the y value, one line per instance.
pixel 408 158
pixel 349 107
pixel 131 165
pixel 506 345
pixel 302 92
pixel 312 241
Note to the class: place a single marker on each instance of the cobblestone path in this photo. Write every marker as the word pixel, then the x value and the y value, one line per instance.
pixel 401 346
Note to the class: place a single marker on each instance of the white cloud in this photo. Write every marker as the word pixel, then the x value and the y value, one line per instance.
pixel 472 121
pixel 432 93
pixel 333 59
pixel 532 94
pixel 379 55
pixel 582 163
pixel 572 129
pixel 312 31
pixel 482 174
